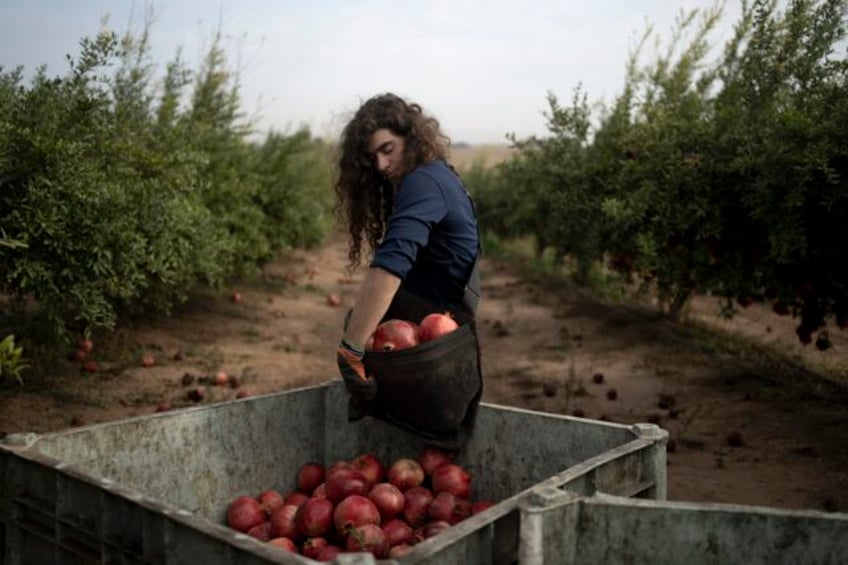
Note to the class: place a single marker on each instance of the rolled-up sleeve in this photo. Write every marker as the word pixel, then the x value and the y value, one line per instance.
pixel 419 205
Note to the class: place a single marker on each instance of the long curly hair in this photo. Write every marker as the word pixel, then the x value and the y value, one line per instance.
pixel 365 197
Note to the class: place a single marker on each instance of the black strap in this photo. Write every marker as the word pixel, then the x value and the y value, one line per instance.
pixel 473 292
pixel 471 298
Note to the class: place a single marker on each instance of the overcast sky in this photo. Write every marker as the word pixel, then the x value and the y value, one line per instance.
pixel 482 68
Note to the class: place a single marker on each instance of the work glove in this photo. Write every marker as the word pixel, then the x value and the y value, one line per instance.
pixel 361 387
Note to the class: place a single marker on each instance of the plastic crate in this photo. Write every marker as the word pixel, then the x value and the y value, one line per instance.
pixel 154 489
pixel 560 527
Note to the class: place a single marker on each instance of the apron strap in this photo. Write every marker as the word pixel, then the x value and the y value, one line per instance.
pixel 473 292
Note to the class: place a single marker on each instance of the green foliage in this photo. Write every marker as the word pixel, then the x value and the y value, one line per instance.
pixel 12 362
pixel 726 177
pixel 117 196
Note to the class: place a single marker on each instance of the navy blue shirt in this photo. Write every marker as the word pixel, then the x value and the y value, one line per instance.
pixel 431 241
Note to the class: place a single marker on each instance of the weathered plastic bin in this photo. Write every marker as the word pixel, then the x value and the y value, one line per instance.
pixel 154 489
pixel 559 527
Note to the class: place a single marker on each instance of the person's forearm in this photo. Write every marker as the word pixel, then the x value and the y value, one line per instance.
pixel 372 302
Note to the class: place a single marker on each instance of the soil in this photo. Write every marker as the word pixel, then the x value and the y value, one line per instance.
pixel 748 424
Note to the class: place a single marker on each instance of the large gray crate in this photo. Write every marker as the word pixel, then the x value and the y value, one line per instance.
pixel 560 527
pixel 154 489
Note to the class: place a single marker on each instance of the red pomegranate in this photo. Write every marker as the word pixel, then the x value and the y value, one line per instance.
pixel 388 499
pixel 399 550
pixel 481 505
pixel 434 326
pixel 453 479
pixel 405 474
pixel 270 500
pixel 394 335
pixel 340 465
pixel 432 458
pixel 344 483
pixel 313 546
pixel 245 512
pixel 397 532
pixel 284 543
pixel 370 538
pixel 448 508
pixel 328 553
pixel 355 511
pixel 283 524
pixel 370 467
pixel 296 498
pixel 314 517
pixel 429 530
pixel 261 532
pixel 309 476
pixel 416 504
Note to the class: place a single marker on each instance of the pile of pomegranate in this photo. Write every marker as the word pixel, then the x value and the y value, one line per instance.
pixel 394 335
pixel 359 505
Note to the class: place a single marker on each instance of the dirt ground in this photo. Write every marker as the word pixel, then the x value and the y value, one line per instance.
pixel 745 427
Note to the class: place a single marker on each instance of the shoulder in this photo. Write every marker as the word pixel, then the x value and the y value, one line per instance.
pixel 433 174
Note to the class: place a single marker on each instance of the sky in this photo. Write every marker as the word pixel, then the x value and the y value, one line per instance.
pixel 483 68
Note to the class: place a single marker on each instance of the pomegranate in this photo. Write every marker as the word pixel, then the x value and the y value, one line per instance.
pixel 270 500
pixel 339 466
pixel 86 345
pixel 370 538
pixel 405 474
pixel 399 550
pixel 429 530
pixel 416 503
pixel 448 508
pixel 344 483
pixel 245 512
pixel 370 467
pixel 314 518
pixel 354 511
pixel 432 458
pixel 313 546
pixel 434 326
pixel 397 532
pixel 394 335
pixel 296 498
pixel 309 476
pixel 328 553
pixel 261 531
pixel 320 491
pixel 388 499
pixel 284 543
pixel 481 505
pixel 283 523
pixel 453 479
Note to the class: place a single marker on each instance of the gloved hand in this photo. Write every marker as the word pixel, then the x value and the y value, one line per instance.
pixel 360 386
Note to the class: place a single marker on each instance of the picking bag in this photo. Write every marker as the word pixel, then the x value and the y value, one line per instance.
pixel 431 390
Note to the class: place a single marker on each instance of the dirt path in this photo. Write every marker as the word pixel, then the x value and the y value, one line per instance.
pixel 741 431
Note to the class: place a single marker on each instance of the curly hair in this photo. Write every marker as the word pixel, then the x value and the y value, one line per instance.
pixel 365 197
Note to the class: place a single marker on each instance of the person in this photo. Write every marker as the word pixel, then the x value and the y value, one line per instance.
pixel 407 207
